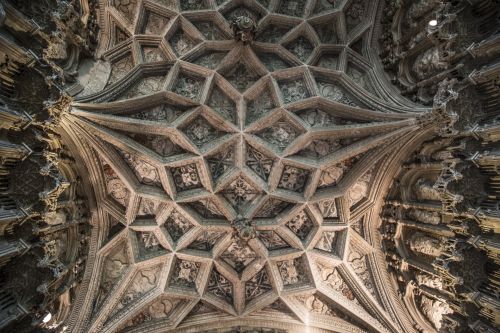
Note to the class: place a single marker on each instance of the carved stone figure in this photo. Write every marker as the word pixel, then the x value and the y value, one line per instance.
pixel 434 310
pixel 244 228
pixel 425 216
pixel 430 281
pixel 423 244
pixel 244 29
pixel 424 190
pixel 429 62
pixel 188 87
pixel 186 177
pixel 301 225
pixel 292 271
pixel 177 225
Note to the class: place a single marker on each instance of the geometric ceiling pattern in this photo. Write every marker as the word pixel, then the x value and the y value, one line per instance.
pixel 186 130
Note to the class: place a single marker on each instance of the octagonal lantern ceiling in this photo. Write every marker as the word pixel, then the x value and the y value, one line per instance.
pixel 236 183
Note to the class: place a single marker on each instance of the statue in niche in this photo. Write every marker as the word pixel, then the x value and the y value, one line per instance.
pixel 424 190
pixel 429 62
pixel 429 281
pixel 420 243
pixel 425 216
pixel 434 310
pixel 54 218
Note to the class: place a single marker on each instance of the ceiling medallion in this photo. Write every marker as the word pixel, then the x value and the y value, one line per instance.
pixel 244 229
pixel 244 29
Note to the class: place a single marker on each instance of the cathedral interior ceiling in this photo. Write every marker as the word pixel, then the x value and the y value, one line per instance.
pixel 234 179
pixel 238 181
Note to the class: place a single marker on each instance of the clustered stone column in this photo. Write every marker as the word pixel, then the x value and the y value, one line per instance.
pixel 44 230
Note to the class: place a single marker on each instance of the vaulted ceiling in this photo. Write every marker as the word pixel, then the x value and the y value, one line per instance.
pixel 191 138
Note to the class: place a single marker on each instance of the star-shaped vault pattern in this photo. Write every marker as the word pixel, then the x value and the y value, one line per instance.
pixel 191 130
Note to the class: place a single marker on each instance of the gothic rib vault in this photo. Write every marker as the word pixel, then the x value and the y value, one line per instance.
pixel 193 131
pixel 250 166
